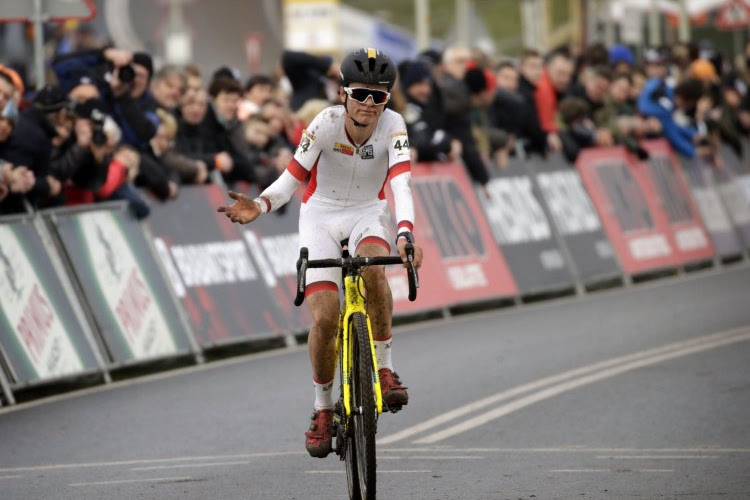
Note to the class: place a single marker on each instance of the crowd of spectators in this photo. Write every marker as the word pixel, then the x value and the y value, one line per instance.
pixel 112 126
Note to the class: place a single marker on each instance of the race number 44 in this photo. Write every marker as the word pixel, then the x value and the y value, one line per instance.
pixel 400 145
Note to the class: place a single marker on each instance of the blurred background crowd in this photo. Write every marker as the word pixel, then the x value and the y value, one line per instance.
pixel 111 124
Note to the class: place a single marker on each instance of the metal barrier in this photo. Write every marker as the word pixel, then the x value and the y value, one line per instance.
pixel 87 290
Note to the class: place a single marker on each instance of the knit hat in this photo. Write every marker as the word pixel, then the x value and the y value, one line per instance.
pixel 475 80
pixel 703 70
pixel 144 59
pixel 431 56
pixel 50 99
pixel 619 54
pixel 414 72
pixel 14 77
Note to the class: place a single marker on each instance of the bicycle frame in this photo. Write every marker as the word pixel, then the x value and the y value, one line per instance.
pixel 354 302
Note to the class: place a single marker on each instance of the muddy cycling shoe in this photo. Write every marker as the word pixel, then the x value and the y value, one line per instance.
pixel 394 394
pixel 319 435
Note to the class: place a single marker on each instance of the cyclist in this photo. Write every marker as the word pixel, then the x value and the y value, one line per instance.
pixel 349 152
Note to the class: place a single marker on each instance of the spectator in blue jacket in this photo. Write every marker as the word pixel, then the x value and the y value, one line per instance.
pixel 667 104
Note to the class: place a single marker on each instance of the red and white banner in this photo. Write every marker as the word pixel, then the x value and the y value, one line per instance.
pixel 121 283
pixel 670 196
pixel 462 262
pixel 640 237
pixel 30 314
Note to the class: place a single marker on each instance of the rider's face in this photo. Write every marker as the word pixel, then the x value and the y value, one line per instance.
pixel 365 113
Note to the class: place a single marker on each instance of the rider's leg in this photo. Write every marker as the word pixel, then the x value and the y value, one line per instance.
pixel 379 298
pixel 380 311
pixel 324 307
pixel 323 300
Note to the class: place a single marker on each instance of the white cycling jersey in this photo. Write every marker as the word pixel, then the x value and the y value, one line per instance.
pixel 344 174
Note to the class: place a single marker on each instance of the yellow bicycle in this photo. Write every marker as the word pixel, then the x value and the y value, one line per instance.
pixel 360 403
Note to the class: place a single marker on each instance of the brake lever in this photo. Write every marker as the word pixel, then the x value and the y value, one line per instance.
pixel 301 276
pixel 412 270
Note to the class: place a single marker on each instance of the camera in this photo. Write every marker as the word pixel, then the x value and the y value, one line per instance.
pixel 98 135
pixel 89 109
pixel 126 73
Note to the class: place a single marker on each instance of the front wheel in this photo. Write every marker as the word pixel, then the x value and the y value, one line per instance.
pixel 360 453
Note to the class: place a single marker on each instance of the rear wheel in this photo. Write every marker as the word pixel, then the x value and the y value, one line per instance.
pixel 360 453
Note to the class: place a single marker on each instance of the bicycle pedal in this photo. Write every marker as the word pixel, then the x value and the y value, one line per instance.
pixel 392 409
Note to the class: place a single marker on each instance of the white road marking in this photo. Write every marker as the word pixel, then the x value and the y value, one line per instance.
pixel 546 381
pixel 666 353
pixel 446 457
pixel 658 457
pixel 382 454
pixel 575 449
pixel 379 472
pixel 181 466
pixel 148 461
pixel 123 481
pixel 612 470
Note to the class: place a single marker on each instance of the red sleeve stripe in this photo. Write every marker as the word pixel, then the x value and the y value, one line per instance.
pixel 399 168
pixel 297 170
pixel 265 200
pixel 405 224
pixel 320 286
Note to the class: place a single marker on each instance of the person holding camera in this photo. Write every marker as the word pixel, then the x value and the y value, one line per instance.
pixel 122 80
pixel 101 168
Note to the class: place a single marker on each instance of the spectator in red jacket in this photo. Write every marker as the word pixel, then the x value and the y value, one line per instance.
pixel 551 87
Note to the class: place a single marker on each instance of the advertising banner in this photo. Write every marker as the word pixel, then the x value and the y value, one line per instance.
pixel 462 263
pixel 225 274
pixel 699 174
pixel 274 239
pixel 575 218
pixel 42 339
pixel 733 183
pixel 642 239
pixel 513 207
pixel 122 283
pixel 670 195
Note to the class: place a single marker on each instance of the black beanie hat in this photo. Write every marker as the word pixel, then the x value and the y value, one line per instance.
pixel 475 80
pixel 414 72
pixel 50 99
pixel 144 59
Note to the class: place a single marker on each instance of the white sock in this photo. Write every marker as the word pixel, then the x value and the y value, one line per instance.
pixel 323 395
pixel 383 353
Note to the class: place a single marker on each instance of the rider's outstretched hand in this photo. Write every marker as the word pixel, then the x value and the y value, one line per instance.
pixel 243 210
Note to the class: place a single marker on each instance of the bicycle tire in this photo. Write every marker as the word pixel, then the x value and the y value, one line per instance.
pixel 349 455
pixel 362 439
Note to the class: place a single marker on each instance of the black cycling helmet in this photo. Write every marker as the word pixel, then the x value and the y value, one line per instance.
pixel 368 65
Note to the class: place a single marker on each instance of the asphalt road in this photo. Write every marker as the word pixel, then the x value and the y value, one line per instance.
pixel 635 393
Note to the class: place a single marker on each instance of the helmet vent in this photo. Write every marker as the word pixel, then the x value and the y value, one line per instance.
pixel 371 62
pixel 360 67
pixel 383 67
